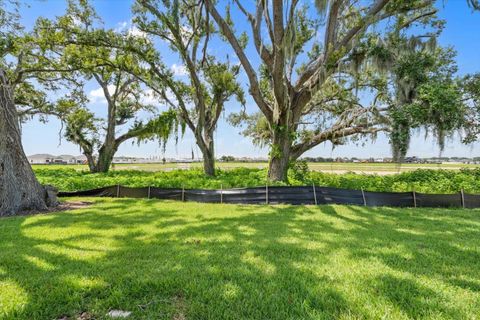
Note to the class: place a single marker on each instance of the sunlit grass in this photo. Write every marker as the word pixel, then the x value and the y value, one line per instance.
pixel 174 260
pixel 336 167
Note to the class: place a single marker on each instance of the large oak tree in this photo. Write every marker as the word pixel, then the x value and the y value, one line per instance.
pixel 303 54
pixel 27 73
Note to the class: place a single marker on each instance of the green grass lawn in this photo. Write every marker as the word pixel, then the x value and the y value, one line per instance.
pixel 174 260
pixel 335 167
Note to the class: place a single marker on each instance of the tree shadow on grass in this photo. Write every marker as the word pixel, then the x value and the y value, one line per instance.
pixel 170 259
pixel 411 298
pixel 439 242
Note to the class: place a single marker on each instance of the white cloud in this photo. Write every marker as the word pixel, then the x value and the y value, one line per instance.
pixel 121 26
pixel 148 97
pixel 185 32
pixel 98 96
pixel 76 21
pixel 135 32
pixel 178 70
pixel 131 30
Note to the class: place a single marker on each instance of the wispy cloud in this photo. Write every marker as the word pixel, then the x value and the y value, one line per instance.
pixel 147 97
pixel 98 96
pixel 131 30
pixel 178 70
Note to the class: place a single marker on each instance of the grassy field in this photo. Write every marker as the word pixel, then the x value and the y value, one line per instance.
pixel 172 260
pixel 334 167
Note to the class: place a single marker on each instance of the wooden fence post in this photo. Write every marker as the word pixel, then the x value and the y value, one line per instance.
pixel 314 193
pixel 266 194
pixel 183 193
pixel 463 198
pixel 118 190
pixel 221 193
pixel 149 192
pixel 364 199
pixel 414 198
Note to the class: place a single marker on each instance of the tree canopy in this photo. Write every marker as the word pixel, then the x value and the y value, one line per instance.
pixel 97 54
pixel 332 70
pixel 207 81
pixel 313 66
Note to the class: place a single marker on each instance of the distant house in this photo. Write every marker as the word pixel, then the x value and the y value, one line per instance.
pixel 41 159
pixel 51 159
pixel 66 159
pixel 123 159
pixel 81 159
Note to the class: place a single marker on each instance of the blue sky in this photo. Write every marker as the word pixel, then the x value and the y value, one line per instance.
pixel 462 31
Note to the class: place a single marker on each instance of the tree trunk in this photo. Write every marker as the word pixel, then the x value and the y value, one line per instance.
pixel 90 161
pixel 110 146
pixel 209 165
pixel 19 188
pixel 105 158
pixel 279 156
pixel 207 147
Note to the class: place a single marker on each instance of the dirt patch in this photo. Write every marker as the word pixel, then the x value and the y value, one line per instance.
pixel 72 205
pixel 180 307
pixel 64 206
pixel 80 316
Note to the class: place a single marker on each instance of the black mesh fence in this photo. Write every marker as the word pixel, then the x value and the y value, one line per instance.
pixel 327 195
pixel 397 199
pixel 438 200
pixel 288 195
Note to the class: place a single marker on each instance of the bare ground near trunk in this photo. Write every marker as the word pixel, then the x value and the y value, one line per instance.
pixel 63 206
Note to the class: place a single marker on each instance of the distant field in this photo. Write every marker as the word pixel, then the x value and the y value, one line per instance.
pixel 333 167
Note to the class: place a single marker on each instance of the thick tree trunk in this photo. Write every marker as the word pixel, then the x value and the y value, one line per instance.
pixel 279 156
pixel 209 165
pixel 209 160
pixel 90 161
pixel 207 147
pixel 105 158
pixel 104 161
pixel 19 189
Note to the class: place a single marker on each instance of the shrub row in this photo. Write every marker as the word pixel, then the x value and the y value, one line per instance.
pixel 427 181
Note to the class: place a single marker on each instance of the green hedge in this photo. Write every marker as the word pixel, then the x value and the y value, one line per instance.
pixel 428 181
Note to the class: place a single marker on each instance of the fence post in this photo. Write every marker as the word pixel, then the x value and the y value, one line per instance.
pixel 149 192
pixel 266 194
pixel 118 190
pixel 183 193
pixel 364 200
pixel 463 198
pixel 221 193
pixel 314 193
pixel 414 198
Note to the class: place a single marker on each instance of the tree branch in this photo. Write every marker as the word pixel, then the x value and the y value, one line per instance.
pixel 251 74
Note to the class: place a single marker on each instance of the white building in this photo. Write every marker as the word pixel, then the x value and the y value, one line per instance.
pixel 81 159
pixel 41 159
pixel 51 159
pixel 66 159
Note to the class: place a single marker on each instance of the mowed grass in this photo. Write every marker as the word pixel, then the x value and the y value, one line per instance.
pixel 175 260
pixel 334 167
